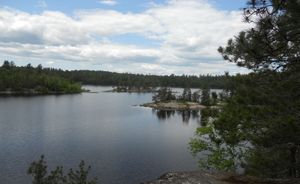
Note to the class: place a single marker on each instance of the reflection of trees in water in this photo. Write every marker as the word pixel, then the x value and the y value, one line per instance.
pixel 196 114
pixel 163 114
pixel 185 114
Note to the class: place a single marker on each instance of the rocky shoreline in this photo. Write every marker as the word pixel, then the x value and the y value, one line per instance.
pixel 203 177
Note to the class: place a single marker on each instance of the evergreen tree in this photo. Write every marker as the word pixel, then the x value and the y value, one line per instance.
pixel 214 98
pixel 205 97
pixel 259 126
pixel 195 96
pixel 186 94
pixel 39 172
pixel 163 95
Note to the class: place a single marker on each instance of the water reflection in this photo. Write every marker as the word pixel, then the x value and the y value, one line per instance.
pixel 186 115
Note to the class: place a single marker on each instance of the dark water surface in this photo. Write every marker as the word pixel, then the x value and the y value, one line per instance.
pixel 124 144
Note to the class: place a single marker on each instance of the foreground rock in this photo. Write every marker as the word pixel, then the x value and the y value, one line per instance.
pixel 195 177
pixel 202 177
pixel 174 105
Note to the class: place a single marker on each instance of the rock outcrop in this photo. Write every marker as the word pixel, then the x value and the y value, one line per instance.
pixel 202 177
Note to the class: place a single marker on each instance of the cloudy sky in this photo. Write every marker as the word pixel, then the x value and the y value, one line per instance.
pixel 137 36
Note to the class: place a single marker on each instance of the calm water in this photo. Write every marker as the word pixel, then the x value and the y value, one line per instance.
pixel 123 143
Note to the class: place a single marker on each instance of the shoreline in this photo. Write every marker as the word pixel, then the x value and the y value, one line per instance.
pixel 32 92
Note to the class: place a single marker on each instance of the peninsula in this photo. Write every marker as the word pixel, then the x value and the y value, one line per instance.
pixel 29 80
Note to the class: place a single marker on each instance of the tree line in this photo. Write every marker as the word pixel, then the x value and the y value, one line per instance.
pixel 142 80
pixel 33 80
pixel 17 78
pixel 126 79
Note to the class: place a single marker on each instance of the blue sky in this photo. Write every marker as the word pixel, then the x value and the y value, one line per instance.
pixel 138 36
pixel 65 6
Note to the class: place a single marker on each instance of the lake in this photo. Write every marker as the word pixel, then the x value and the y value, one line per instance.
pixel 124 143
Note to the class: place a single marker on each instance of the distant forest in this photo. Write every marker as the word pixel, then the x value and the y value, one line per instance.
pixel 33 80
pixel 127 79
pixel 88 77
pixel 24 76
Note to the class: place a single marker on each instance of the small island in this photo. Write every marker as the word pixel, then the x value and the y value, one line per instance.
pixel 166 100
pixel 133 89
pixel 175 105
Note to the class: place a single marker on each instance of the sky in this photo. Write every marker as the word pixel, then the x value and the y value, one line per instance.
pixel 137 36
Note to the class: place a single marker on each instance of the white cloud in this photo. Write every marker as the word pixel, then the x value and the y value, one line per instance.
pixel 188 33
pixel 108 2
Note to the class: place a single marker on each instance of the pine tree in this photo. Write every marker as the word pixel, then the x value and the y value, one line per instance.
pixel 259 125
